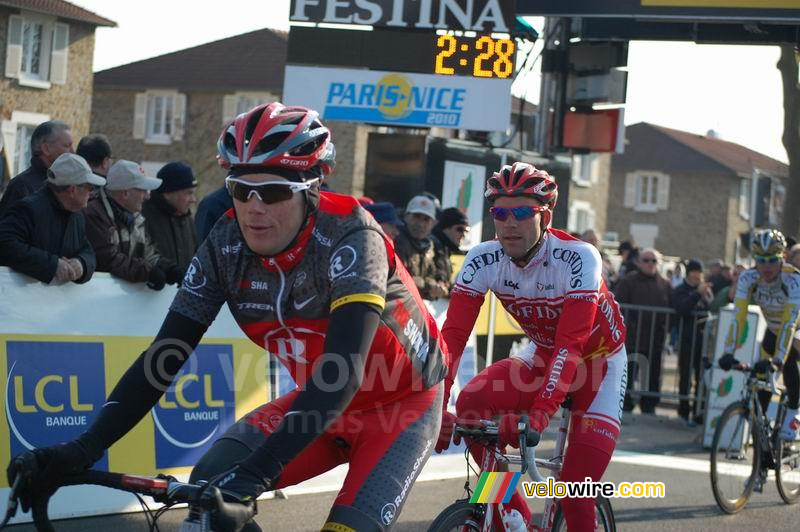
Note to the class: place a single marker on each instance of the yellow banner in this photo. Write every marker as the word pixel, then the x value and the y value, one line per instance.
pixel 733 4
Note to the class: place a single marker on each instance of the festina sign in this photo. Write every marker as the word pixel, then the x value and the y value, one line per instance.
pixel 476 15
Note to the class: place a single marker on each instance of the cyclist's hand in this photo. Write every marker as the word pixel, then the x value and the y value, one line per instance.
pixel 762 368
pixel 240 484
pixel 43 470
pixel 508 430
pixel 777 362
pixel 726 362
pixel 446 432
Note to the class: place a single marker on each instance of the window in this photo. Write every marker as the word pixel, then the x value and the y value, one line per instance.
pixel 16 139
pixel 585 169
pixel 745 191
pixel 647 191
pixel 581 216
pixel 22 152
pixel 37 50
pixel 158 116
pixel 644 234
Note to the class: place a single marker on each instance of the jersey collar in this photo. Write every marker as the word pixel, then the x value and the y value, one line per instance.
pixel 291 257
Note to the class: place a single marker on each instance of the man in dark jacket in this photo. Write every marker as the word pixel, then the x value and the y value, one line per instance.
pixel 647 329
pixel 115 227
pixel 416 249
pixel 96 149
pixel 691 300
pixel 49 140
pixel 44 234
pixel 209 210
pixel 168 215
pixel 448 234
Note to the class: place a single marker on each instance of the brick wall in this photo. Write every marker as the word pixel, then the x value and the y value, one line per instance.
pixel 595 194
pixel 71 102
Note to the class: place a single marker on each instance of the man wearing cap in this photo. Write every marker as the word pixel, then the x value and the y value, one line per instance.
pixel 44 234
pixel 115 227
pixel 447 236
pixel 417 251
pixel 386 215
pixel 691 300
pixel 168 215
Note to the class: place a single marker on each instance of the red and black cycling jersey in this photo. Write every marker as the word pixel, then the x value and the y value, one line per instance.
pixel 283 303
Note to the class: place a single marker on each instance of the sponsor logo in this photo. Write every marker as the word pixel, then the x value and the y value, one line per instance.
pixel 194 279
pixel 548 286
pixel 257 285
pixel 417 340
pixel 555 373
pixel 53 392
pixel 301 278
pixel 610 310
pixel 300 305
pixel 575 262
pixel 197 407
pixel 471 268
pixel 231 250
pixel 342 261
pixel 288 349
pixel 295 162
pixel 324 240
pixel 511 284
pixel 255 306
pixel 388 512
pixel 530 310
pixel 540 186
pixel 409 481
pixel 623 385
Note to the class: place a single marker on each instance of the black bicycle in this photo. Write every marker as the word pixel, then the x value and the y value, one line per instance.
pixel 208 511
pixel 746 446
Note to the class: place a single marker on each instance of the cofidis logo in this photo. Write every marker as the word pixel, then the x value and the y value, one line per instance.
pixel 395 99
pixel 196 409
pixel 53 392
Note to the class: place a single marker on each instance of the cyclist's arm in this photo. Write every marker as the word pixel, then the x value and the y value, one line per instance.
pixel 789 318
pixel 744 288
pixel 320 403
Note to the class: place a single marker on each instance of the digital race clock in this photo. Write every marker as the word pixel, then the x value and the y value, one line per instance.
pixel 482 57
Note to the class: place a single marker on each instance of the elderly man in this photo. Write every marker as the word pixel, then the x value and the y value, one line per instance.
pixel 44 234
pixel 49 140
pixel 417 250
pixel 115 227
pixel 168 214
pixel 647 329
pixel 386 215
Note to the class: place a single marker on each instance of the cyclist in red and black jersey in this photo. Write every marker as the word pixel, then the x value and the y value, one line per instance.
pixel 311 277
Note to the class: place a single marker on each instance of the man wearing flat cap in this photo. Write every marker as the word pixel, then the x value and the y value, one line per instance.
pixel 44 235
pixel 115 227
pixel 168 215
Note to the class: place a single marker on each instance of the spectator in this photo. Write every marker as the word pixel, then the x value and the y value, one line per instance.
pixel 647 330
pixel 677 275
pixel 728 294
pixel 691 300
pixel 44 235
pixel 97 151
pixel 629 253
pixel 386 215
pixel 716 277
pixel 365 200
pixel 115 227
pixel 417 251
pixel 209 210
pixel 168 215
pixel 590 237
pixel 447 236
pixel 793 256
pixel 49 140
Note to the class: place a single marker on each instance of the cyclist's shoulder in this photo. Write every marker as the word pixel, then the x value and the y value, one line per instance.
pixel 486 253
pixel 790 276
pixel 748 277
pixel 571 253
pixel 339 216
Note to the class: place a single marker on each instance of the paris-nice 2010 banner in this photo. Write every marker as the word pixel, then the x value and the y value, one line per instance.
pixel 63 348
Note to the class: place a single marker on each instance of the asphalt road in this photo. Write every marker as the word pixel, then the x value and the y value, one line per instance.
pixel 651 448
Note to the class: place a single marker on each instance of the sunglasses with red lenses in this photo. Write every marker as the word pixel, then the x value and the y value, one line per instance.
pixel 269 192
pixel 523 212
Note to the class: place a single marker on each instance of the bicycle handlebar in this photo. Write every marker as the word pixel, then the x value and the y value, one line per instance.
pixel 163 489
pixel 488 431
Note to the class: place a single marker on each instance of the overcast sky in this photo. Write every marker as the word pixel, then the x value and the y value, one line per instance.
pixel 735 90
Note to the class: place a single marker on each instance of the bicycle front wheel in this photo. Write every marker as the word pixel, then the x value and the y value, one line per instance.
pixel 735 458
pixel 459 516
pixel 787 471
pixel 603 514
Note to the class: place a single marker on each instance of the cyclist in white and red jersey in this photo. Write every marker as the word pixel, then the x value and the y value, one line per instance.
pixel 311 277
pixel 551 283
pixel 773 285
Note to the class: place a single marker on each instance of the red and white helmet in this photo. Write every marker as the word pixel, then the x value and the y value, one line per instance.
pixel 274 135
pixel 522 179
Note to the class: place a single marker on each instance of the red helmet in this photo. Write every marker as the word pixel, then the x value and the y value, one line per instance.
pixel 522 179
pixel 274 135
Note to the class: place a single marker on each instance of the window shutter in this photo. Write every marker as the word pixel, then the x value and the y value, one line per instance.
pixel 594 171
pixel 14 46
pixel 8 130
pixel 178 116
pixel 229 104
pixel 60 54
pixel 630 190
pixel 140 115
pixel 663 192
